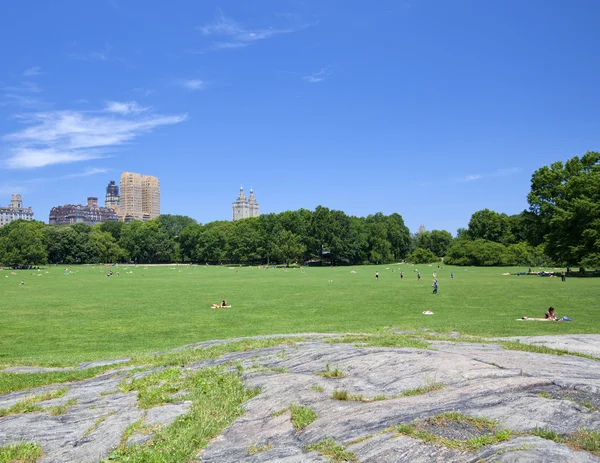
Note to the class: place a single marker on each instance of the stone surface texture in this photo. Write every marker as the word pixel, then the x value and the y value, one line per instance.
pixel 520 390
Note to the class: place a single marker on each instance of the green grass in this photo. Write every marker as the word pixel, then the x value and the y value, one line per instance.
pixel 416 431
pixel 332 450
pixel 11 382
pixel 329 372
pixel 301 416
pixel 254 449
pixel 216 398
pixel 24 452
pixel 58 319
pixel 582 439
pixel 29 405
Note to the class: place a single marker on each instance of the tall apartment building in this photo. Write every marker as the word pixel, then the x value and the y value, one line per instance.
pixel 150 197
pixel 90 214
pixel 243 208
pixel 140 197
pixel 15 211
pixel 112 196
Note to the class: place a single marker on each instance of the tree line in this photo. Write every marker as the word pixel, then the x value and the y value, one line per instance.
pixel 562 226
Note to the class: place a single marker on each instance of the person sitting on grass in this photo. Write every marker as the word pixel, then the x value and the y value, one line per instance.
pixel 550 315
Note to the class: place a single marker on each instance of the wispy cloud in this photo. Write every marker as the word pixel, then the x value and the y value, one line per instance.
pixel 85 173
pixel 33 71
pixel 497 173
pixel 103 55
pixel 231 34
pixel 192 84
pixel 318 76
pixel 24 87
pixel 24 101
pixel 66 136
pixel 124 107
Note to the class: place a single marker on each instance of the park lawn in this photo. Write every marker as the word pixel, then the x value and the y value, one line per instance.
pixel 62 319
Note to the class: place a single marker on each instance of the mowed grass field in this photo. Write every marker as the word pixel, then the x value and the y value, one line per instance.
pixel 58 318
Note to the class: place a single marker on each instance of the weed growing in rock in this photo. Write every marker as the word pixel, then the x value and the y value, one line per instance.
pixel 301 416
pixel 421 431
pixel 582 439
pixel 340 394
pixel 23 452
pixel 544 395
pixel 259 448
pixel 585 439
pixel 421 390
pixel 29 404
pixel 318 388
pixel 331 449
pixel 280 412
pixel 56 410
pixel 329 373
pixel 98 422
pixel 547 433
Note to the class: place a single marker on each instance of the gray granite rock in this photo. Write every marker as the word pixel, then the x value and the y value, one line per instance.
pixel 520 390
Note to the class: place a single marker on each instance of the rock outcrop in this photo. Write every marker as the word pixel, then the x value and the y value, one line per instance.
pixel 521 392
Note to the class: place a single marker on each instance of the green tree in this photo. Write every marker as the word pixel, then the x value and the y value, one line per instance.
pixel 22 243
pixel 288 247
pixel 565 203
pixel 422 256
pixel 436 241
pixel 489 225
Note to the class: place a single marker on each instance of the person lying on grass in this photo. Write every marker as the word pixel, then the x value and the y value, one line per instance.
pixel 549 316
pixel 223 304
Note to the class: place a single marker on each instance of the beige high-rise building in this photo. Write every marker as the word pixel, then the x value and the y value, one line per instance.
pixel 150 197
pixel 130 203
pixel 140 197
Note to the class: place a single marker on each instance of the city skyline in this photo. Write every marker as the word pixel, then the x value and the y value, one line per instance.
pixel 430 109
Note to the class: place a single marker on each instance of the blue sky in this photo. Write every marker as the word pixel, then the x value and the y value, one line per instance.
pixel 432 109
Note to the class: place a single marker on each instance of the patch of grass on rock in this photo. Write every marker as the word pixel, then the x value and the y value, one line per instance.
pixel 483 431
pixel 516 345
pixel 217 399
pixel 29 404
pixel 23 452
pixel 301 416
pixel 334 373
pixel 253 449
pixel 12 382
pixel 331 449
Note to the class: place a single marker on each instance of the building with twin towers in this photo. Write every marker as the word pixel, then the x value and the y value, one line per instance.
pixel 243 208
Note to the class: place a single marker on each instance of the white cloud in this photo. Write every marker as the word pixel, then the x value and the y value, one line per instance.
pixel 193 84
pixel 104 55
pixel 319 76
pixel 497 173
pixel 25 87
pixel 33 71
pixel 62 137
pixel 234 35
pixel 86 173
pixel 124 107
pixel 28 158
